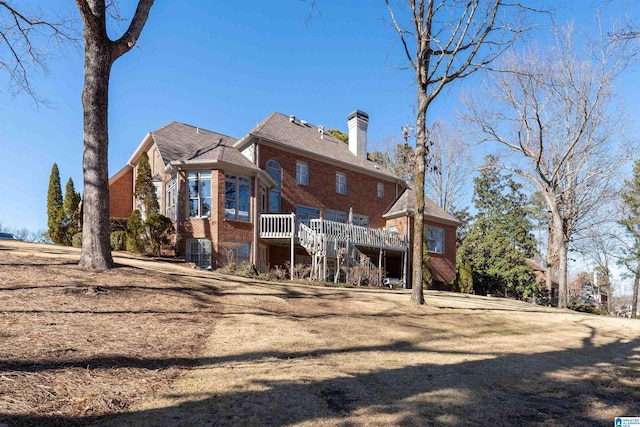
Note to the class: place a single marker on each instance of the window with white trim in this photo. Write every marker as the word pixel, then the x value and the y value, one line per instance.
pixel 341 183
pixel 199 252
pixel 171 199
pixel 238 252
pixel 275 194
pixel 361 220
pixel 435 240
pixel 380 190
pixel 337 216
pixel 157 185
pixel 237 195
pixel 393 228
pixel 302 173
pixel 199 188
pixel 305 213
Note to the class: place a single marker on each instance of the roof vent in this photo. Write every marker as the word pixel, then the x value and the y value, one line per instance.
pixel 292 118
pixel 321 131
pixel 197 130
pixel 304 122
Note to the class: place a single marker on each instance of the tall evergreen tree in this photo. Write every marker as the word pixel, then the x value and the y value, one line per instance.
pixel 69 215
pixel 54 204
pixel 631 222
pixel 500 239
pixel 145 191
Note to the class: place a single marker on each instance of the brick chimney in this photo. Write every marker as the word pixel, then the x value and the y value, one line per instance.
pixel 358 124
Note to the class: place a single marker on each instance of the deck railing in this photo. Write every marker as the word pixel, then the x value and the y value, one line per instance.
pixel 359 235
pixel 277 226
pixel 284 226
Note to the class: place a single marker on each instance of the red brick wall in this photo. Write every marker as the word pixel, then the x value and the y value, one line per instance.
pixel 443 266
pixel 321 191
pixel 222 232
pixel 121 196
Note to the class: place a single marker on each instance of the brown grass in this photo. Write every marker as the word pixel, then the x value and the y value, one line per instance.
pixel 152 343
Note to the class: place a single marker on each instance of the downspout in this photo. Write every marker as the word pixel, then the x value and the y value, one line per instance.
pixel 256 220
pixel 407 256
pixel 178 213
pixel 256 202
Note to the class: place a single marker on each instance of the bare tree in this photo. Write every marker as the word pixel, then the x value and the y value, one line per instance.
pixel 450 158
pixel 100 52
pixel 600 245
pixel 445 41
pixel 551 113
pixel 27 41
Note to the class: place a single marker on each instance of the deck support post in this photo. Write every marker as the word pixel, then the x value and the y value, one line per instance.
pixel 293 242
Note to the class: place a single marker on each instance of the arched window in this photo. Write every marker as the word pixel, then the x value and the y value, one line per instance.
pixel 275 172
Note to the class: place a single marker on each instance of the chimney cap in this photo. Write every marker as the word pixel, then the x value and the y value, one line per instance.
pixel 358 114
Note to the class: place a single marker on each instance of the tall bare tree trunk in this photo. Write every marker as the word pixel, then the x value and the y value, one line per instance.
pixel 96 251
pixel 636 285
pixel 420 259
pixel 563 288
pixel 100 52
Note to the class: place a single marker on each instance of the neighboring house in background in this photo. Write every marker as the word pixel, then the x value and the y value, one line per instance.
pixel 540 274
pixel 285 192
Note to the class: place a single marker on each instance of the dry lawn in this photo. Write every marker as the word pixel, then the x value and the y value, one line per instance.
pixel 156 343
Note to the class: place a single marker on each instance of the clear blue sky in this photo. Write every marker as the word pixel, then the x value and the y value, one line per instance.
pixel 220 65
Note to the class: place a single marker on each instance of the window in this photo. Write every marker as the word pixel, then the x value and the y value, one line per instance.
pixel 157 185
pixel 341 183
pixel 302 173
pixel 435 240
pixel 238 252
pixel 237 192
pixel 157 162
pixel 199 184
pixel 393 228
pixel 336 216
pixel 380 190
pixel 263 199
pixel 171 200
pixel 199 252
pixel 361 220
pixel 304 214
pixel 275 172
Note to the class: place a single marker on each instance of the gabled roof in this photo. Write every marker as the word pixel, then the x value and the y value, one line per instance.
pixel 190 147
pixel 279 129
pixel 182 143
pixel 406 205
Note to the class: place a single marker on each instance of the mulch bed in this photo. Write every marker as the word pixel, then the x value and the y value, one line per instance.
pixel 77 345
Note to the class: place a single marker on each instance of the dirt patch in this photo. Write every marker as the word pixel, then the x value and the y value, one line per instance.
pixel 158 344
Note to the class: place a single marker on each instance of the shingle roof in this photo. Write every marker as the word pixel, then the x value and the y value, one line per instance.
pixel 279 129
pixel 406 204
pixel 179 142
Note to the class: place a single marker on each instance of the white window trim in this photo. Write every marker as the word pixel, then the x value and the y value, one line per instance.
pixel 336 215
pixel 171 202
pixel 439 238
pixel 199 179
pixel 341 183
pixel 302 173
pixel 273 166
pixel 234 248
pixel 236 179
pixel 203 256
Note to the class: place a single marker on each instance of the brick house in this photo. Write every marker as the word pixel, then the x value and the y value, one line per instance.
pixel 286 192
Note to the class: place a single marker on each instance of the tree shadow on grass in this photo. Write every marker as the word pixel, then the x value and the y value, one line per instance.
pixel 512 389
